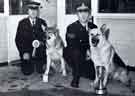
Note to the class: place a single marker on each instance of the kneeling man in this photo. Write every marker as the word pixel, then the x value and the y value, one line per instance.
pixel 78 44
pixel 30 29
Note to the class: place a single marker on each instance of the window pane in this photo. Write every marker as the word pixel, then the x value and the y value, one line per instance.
pixel 72 4
pixel 1 6
pixel 18 6
pixel 116 6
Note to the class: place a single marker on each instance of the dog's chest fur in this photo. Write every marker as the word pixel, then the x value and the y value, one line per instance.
pixel 100 54
pixel 55 48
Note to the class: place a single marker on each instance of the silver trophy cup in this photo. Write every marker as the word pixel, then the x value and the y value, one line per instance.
pixel 100 89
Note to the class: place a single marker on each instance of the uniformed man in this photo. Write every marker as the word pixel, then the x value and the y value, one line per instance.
pixel 30 29
pixel 77 45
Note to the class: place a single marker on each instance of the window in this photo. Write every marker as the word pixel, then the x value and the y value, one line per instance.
pixel 1 6
pixel 116 6
pixel 72 4
pixel 18 6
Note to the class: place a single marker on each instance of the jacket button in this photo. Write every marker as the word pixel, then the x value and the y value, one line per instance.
pixel 80 40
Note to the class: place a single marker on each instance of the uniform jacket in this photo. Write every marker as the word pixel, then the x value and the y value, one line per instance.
pixel 80 35
pixel 26 33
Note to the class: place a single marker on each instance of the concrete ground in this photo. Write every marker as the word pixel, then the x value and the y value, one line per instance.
pixel 14 83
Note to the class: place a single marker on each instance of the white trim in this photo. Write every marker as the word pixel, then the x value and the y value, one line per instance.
pixel 115 15
pixel 6 7
pixel 94 7
pixel 2 14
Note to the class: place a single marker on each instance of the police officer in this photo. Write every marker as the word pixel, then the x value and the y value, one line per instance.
pixel 77 45
pixel 30 29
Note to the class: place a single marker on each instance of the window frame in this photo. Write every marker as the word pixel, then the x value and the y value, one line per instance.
pixel 3 14
pixel 7 10
pixel 95 13
pixel 72 11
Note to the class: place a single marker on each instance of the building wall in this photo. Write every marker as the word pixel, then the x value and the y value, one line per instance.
pixel 3 40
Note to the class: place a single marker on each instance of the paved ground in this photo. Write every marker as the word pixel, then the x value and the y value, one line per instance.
pixel 13 83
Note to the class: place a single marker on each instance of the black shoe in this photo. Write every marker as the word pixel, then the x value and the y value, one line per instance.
pixel 74 84
pixel 27 73
pixel 40 72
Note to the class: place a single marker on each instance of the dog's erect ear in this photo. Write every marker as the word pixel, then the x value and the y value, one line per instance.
pixel 57 32
pixel 105 31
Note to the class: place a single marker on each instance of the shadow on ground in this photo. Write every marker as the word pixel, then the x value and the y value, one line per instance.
pixel 14 83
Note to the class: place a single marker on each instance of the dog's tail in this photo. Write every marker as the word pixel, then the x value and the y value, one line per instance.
pixel 119 62
pixel 130 68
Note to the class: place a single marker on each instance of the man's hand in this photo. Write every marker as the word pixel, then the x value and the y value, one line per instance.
pixel 26 56
pixel 71 35
pixel 88 55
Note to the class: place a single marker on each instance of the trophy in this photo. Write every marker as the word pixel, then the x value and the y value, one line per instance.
pixel 100 88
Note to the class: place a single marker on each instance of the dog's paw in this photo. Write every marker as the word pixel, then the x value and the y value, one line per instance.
pixel 95 83
pixel 92 84
pixel 45 78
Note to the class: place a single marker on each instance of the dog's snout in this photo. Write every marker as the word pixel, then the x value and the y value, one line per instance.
pixel 95 41
pixel 48 37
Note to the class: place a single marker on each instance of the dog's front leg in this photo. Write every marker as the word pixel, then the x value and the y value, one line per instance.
pixel 106 76
pixel 48 65
pixel 96 78
pixel 63 67
pixel 108 57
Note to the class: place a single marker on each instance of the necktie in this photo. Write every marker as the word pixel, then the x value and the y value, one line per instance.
pixel 33 22
pixel 33 25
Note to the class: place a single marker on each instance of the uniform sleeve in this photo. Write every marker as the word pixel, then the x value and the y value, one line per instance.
pixel 44 32
pixel 70 36
pixel 41 36
pixel 19 38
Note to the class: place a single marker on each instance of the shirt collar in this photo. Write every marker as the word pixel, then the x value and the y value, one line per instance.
pixel 31 20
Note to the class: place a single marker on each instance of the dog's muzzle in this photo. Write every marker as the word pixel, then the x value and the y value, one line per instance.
pixel 48 38
pixel 94 41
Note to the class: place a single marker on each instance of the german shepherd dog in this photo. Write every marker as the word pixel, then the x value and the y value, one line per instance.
pixel 54 52
pixel 104 54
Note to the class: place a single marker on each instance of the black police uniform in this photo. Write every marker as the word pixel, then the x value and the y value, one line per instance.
pixel 25 35
pixel 75 52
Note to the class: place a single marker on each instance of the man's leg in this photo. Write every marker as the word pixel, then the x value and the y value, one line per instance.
pixel 40 62
pixel 27 68
pixel 75 67
pixel 88 70
pixel 72 57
